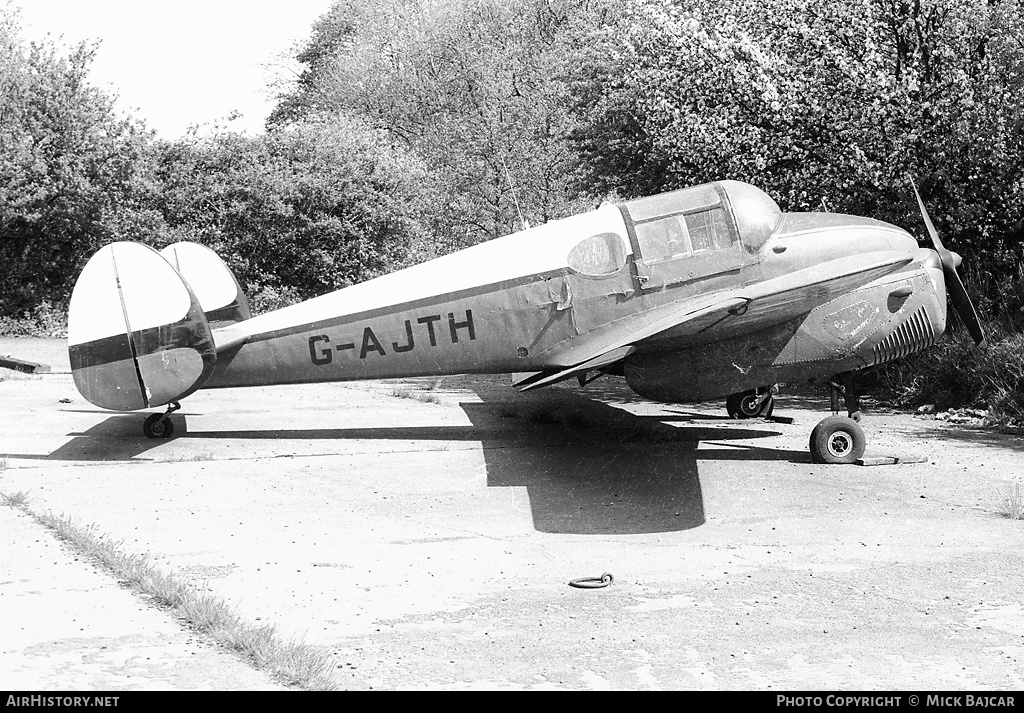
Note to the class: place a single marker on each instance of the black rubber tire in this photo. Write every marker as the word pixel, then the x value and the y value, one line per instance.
pixel 837 440
pixel 744 405
pixel 153 427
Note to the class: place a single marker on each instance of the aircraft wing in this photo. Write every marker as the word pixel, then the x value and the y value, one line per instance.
pixel 537 379
pixel 761 304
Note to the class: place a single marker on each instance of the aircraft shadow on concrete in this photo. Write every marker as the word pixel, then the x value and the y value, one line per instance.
pixel 591 468
pixel 588 468
pixel 117 437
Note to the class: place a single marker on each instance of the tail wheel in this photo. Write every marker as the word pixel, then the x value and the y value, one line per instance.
pixel 157 425
pixel 837 439
pixel 750 404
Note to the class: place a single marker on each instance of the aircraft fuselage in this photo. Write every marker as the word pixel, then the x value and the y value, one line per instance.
pixel 533 300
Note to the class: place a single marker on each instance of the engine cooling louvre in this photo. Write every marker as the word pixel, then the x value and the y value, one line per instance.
pixel 913 335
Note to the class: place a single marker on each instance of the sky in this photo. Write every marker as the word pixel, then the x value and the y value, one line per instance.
pixel 185 62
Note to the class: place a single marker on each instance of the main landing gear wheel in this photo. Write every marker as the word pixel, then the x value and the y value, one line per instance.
pixel 751 404
pixel 837 439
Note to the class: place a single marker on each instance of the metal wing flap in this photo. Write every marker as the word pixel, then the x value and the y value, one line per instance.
pixel 538 379
pixel 622 346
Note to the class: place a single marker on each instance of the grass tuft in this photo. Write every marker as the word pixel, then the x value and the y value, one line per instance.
pixel 1012 501
pixel 14 500
pixel 291 662
pixel 188 457
pixel 404 392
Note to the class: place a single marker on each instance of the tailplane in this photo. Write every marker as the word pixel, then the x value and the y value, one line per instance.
pixel 138 335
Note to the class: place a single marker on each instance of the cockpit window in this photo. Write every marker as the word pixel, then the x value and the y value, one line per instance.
pixel 692 221
pixel 664 239
pixel 600 254
pixel 709 230
pixel 702 219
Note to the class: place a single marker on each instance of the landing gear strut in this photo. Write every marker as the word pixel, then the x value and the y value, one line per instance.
pixel 158 425
pixel 839 439
pixel 758 403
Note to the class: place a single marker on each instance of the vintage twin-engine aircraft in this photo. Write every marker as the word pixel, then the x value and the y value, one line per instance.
pixel 701 293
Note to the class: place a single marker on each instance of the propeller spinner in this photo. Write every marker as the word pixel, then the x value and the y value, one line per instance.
pixel 954 286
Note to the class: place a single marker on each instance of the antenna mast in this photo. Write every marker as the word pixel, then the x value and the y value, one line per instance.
pixel 508 177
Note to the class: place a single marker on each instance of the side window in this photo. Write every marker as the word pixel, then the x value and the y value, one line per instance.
pixel 600 254
pixel 709 230
pixel 664 239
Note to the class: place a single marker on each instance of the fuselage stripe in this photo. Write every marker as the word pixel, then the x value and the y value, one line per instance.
pixel 341 320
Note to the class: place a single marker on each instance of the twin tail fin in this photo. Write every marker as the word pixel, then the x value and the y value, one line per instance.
pixel 139 323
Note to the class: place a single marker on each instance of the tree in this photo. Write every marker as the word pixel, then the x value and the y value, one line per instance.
pixel 302 210
pixel 68 164
pixel 297 212
pixel 820 103
pixel 474 88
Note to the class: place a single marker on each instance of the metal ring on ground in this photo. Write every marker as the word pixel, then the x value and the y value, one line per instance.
pixel 592 582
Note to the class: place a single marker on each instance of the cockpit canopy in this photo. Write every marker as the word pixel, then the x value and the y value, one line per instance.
pixel 702 219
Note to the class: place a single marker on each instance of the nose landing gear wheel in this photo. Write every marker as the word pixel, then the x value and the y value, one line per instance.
pixel 837 439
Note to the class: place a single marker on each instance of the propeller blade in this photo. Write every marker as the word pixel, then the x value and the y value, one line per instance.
pixel 964 308
pixel 928 224
pixel 954 285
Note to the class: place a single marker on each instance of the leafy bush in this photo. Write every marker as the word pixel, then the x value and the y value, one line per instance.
pixel 955 373
pixel 299 211
pixel 815 101
pixel 267 299
pixel 44 320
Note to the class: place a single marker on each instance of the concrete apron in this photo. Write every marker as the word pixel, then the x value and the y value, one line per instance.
pixel 429 545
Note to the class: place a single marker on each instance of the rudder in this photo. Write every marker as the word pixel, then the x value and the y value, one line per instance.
pixel 212 281
pixel 137 334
